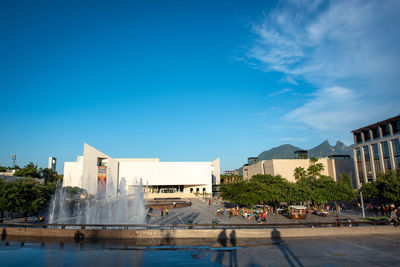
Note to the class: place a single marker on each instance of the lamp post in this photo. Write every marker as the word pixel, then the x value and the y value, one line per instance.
pixel 362 204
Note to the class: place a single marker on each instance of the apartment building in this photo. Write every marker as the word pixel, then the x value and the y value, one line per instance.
pixel 376 149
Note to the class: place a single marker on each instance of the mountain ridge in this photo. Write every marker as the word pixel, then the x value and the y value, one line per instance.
pixel 286 151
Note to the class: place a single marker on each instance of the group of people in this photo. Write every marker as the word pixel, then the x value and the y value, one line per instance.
pixel 258 215
pixel 162 211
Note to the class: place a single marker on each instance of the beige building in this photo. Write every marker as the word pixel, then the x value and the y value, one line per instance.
pixel 376 149
pixel 333 167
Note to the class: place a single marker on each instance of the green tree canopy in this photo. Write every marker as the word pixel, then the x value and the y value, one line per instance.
pixel 30 170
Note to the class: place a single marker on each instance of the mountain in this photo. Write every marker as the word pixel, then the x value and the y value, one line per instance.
pixel 323 150
pixel 281 152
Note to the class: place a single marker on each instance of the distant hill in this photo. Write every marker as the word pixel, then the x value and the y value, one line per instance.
pixel 285 151
pixel 323 150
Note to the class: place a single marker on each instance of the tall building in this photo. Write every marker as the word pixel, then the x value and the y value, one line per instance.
pixel 376 149
pixel 52 163
pixel 104 176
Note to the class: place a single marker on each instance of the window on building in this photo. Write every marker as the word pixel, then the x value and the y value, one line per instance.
pixel 367 136
pixel 359 165
pixel 377 163
pixel 367 163
pixel 395 126
pixel 385 129
pixel 386 156
pixel 358 138
pixel 396 153
pixel 375 133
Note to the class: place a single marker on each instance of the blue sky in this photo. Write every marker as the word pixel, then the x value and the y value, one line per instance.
pixel 192 80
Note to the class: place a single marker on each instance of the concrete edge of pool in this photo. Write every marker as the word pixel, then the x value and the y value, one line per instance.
pixel 197 233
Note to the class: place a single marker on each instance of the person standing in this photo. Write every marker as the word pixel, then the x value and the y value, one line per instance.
pixel 166 211
pixel 394 218
pixel 162 212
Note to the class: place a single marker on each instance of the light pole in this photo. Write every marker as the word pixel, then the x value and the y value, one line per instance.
pixel 362 204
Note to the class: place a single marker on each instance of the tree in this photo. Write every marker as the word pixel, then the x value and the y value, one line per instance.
pixel 315 170
pixel 313 160
pixel 30 170
pixel 230 178
pixel 299 172
pixel 49 175
pixel 25 195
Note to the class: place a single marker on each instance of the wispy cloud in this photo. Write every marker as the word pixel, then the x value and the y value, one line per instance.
pixel 279 92
pixel 347 49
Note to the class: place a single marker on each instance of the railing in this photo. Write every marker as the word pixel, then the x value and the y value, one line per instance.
pixel 196 226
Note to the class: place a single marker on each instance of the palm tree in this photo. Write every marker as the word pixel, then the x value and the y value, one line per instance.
pixel 299 172
pixel 315 170
pixel 313 160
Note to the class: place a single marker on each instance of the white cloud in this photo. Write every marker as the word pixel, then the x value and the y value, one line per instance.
pixel 347 49
pixel 279 92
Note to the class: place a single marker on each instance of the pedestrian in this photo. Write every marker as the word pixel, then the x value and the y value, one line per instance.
pixel 343 207
pixel 162 212
pixel 264 217
pixel 166 211
pixel 394 218
pixel 174 204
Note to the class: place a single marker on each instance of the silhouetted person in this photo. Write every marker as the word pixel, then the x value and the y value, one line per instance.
pixel 223 238
pixel 276 237
pixel 233 255
pixel 232 238
pixel 3 235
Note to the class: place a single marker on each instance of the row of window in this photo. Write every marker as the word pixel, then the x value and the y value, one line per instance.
pixel 376 158
pixel 375 133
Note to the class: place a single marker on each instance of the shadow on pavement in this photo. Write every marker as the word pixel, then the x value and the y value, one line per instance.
pixel 283 247
pixel 223 240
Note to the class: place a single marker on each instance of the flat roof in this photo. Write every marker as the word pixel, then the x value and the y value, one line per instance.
pixel 376 124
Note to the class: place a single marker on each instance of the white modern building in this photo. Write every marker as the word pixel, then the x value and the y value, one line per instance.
pixel 102 175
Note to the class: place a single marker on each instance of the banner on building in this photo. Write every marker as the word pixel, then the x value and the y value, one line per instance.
pixel 101 181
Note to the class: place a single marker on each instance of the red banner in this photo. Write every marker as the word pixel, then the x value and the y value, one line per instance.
pixel 101 181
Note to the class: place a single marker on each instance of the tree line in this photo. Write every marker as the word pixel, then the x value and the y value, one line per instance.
pixel 385 189
pixel 274 190
pixel 30 194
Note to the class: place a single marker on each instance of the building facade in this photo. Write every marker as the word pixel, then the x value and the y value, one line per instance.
pixel 104 176
pixel 52 163
pixel 376 149
pixel 333 167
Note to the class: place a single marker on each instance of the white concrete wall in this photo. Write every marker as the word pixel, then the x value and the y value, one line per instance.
pixel 216 171
pixel 73 174
pixel 90 155
pixel 167 173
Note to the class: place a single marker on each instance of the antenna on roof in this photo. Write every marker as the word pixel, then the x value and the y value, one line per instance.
pixel 14 157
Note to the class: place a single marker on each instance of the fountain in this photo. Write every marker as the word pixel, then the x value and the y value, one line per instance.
pixel 123 209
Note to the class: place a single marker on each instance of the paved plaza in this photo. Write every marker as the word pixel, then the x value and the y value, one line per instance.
pixel 201 213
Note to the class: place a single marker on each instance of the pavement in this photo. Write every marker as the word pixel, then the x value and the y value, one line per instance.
pixel 201 213
pixel 369 250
